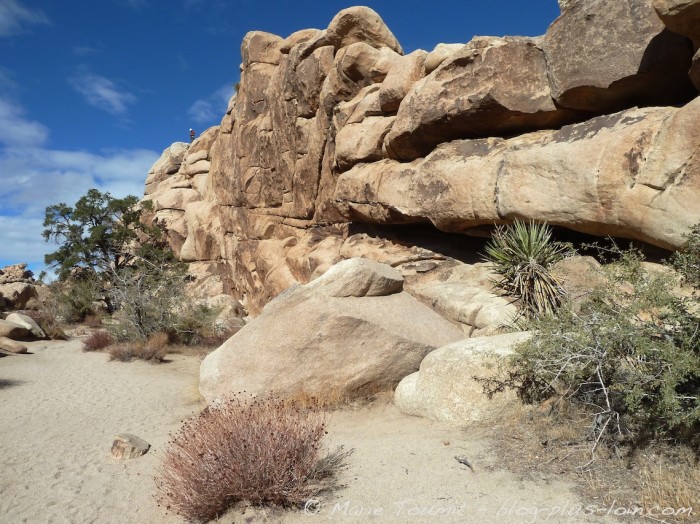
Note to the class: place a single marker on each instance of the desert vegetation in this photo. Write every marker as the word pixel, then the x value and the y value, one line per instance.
pixel 261 451
pixel 118 274
pixel 614 375
pixel 522 255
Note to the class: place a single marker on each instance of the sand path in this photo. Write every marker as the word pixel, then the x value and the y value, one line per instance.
pixel 60 408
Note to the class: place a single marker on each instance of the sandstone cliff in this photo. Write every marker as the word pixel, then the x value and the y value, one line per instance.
pixel 336 133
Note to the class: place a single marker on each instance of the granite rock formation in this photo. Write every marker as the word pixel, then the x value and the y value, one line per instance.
pixel 336 140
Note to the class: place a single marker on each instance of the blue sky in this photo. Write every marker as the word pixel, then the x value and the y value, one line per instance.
pixel 91 93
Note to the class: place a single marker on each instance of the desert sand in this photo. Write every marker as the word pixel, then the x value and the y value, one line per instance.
pixel 60 409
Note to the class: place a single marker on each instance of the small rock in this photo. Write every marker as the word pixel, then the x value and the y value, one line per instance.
pixel 127 446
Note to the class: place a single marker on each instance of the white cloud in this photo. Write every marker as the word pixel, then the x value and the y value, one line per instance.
pixel 35 176
pixel 16 130
pixel 102 93
pixel 211 109
pixel 14 18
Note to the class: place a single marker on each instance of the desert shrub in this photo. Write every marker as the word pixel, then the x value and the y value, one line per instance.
pixel 94 320
pixel 193 324
pixel 98 340
pixel 137 350
pixel 76 297
pixel 255 450
pixel 522 255
pixel 687 259
pixel 629 353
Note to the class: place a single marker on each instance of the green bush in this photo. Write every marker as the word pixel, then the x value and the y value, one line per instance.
pixel 687 260
pixel 75 298
pixel 194 323
pixel 629 352
pixel 522 254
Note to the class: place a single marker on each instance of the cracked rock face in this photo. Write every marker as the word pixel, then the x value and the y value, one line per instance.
pixel 634 173
pixel 335 130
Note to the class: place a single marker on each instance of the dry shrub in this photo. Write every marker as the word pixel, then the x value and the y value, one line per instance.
pixel 98 340
pixel 157 343
pixel 216 338
pixel 128 351
pixel 94 320
pixel 667 483
pixel 265 452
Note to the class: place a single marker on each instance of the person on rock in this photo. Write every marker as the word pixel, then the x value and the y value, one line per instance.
pixel 192 135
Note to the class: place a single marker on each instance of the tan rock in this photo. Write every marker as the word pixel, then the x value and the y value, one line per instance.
pixel 480 312
pixel 344 346
pixel 681 16
pixel 492 86
pixel 177 198
pixel 168 164
pixel 603 56
pixel 203 231
pixel 358 277
pixel 439 54
pixel 127 446
pixel 18 294
pixel 634 174
pixel 447 389
pixel 298 37
pixel 261 47
pixel 405 72
pixel 26 322
pixel 361 142
pixel 361 24
pixel 13 331
pixel 11 346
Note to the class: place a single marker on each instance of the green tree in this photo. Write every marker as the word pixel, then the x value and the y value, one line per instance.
pixel 96 235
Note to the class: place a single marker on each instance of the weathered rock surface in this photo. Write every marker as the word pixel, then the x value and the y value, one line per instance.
pixel 634 173
pixel 342 335
pixel 11 330
pixel 445 387
pixel 127 446
pixel 603 56
pixel 469 96
pixel 11 346
pixel 26 322
pixel 681 16
pixel 298 175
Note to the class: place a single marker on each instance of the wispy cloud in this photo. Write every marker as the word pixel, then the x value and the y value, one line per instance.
pixel 211 109
pixel 39 176
pixel 103 93
pixel 84 50
pixel 15 18
pixel 16 130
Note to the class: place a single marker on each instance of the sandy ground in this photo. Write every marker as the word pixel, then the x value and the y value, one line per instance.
pixel 60 409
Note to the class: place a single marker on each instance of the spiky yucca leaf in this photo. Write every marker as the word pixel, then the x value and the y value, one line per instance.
pixel 522 255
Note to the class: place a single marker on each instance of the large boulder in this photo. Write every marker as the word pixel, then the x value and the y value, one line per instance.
pixel 633 174
pixel 18 294
pixel 448 388
pixel 349 332
pixel 28 323
pixel 489 87
pixel 603 56
pixel 11 330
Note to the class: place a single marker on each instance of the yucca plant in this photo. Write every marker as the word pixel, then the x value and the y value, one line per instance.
pixel 522 254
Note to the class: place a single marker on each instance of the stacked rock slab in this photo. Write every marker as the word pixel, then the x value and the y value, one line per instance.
pixel 334 128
